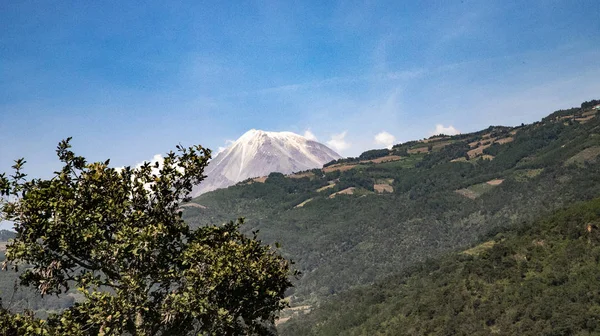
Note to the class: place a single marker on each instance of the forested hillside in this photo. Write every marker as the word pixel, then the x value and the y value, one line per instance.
pixel 5 235
pixel 361 219
pixel 538 279
pixel 18 299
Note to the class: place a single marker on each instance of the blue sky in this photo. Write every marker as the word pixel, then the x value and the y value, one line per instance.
pixel 131 79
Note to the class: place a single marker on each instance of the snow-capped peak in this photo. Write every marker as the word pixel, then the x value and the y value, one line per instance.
pixel 258 153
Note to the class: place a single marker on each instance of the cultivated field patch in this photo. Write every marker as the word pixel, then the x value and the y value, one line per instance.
pixel 303 203
pixel 418 150
pixel 290 312
pixel 406 162
pixel 477 250
pixel 587 155
pixel 526 174
pixel 383 159
pixel 261 179
pixel 477 190
pixel 477 151
pixel 440 145
pixel 302 175
pixel 505 140
pixel 347 191
pixel 340 167
pixel 584 119
pixel 477 147
pixel 383 188
pixel 495 182
pixel 329 186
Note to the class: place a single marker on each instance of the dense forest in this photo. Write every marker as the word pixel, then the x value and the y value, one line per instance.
pixel 536 279
pixel 20 298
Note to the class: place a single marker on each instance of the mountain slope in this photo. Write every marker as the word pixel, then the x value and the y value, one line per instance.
pixel 539 279
pixel 365 218
pixel 258 153
pixel 5 235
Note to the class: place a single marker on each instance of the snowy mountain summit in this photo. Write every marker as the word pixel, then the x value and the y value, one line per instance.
pixel 258 153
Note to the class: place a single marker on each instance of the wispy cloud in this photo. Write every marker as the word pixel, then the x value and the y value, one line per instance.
pixel 396 75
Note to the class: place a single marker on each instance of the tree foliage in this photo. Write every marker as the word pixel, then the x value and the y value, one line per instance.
pixel 538 279
pixel 590 103
pixel 117 236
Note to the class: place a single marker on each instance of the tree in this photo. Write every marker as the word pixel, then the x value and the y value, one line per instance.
pixel 116 235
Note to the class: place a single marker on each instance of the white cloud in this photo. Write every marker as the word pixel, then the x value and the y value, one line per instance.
pixel 338 142
pixel 441 129
pixel 223 148
pixel 156 158
pixel 386 139
pixel 309 135
pixel 156 171
pixel 220 150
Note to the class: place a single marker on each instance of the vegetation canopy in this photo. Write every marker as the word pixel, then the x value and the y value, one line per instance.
pixel 537 279
pixel 117 236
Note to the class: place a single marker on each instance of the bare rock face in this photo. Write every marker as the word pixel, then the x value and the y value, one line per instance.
pixel 259 153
